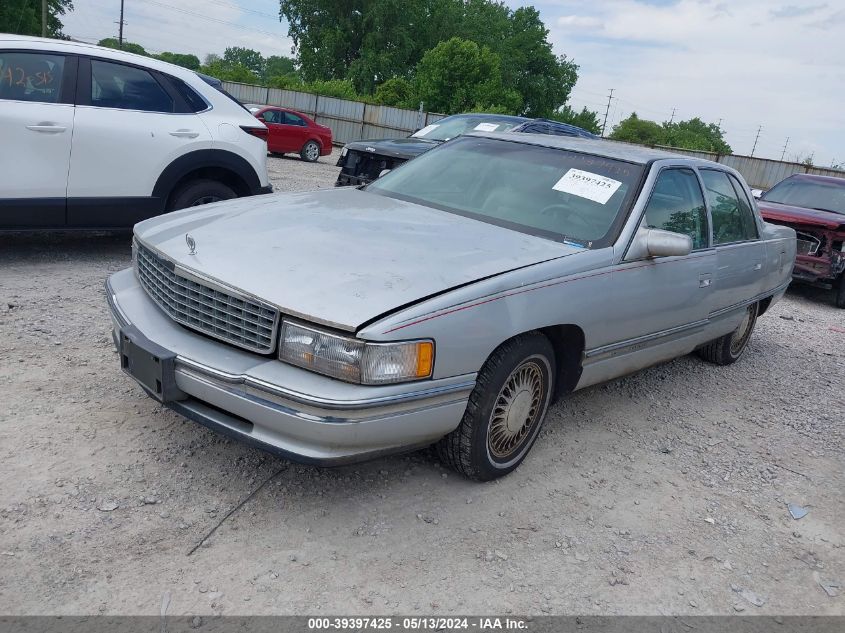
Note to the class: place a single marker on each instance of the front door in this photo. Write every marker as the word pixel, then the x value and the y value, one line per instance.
pixel 36 128
pixel 660 305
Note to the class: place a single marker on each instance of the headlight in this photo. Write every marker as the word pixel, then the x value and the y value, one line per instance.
pixel 353 360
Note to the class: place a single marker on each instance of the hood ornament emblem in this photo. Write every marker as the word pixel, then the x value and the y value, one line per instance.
pixel 192 244
pixel 370 149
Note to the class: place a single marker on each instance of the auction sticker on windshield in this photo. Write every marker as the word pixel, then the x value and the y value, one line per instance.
pixel 585 184
pixel 426 130
pixel 486 127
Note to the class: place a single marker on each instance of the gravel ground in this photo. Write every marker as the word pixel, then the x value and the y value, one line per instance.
pixel 661 493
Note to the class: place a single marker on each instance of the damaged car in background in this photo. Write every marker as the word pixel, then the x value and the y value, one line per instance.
pixel 815 207
pixel 362 162
pixel 450 302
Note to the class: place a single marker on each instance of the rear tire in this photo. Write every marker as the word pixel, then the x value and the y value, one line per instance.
pixel 310 152
pixel 728 349
pixel 505 411
pixel 202 191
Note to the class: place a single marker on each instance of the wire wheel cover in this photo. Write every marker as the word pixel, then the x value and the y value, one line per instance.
pixel 517 409
pixel 742 333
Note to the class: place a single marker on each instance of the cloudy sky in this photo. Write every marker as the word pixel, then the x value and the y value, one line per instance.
pixel 771 63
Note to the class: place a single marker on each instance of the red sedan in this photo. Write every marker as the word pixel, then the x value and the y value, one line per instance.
pixel 292 131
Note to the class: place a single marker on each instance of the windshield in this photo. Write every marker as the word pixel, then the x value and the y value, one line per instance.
pixel 810 194
pixel 552 193
pixel 453 126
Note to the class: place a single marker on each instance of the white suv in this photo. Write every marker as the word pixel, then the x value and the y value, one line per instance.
pixel 98 138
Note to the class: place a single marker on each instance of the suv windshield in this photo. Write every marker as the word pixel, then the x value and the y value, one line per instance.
pixel 552 193
pixel 810 194
pixel 453 126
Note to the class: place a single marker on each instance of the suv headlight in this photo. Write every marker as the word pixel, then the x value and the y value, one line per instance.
pixel 354 360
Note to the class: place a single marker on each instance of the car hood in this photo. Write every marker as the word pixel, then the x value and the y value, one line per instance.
pixel 397 148
pixel 800 215
pixel 340 257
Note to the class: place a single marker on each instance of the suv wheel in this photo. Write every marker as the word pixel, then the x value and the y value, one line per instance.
pixel 310 152
pixel 197 192
pixel 505 410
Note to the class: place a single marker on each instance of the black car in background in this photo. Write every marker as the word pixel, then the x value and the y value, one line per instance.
pixel 363 161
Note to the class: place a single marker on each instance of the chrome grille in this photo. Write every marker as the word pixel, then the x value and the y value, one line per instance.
pixel 221 313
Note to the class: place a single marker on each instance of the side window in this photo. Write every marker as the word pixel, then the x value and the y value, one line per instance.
pixel 271 116
pixel 31 76
pixel 127 88
pixel 730 222
pixel 677 205
pixel 292 119
pixel 745 209
pixel 194 101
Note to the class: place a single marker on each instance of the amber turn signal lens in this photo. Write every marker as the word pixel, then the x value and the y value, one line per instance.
pixel 425 358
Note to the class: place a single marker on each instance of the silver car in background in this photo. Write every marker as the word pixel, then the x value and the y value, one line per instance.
pixel 449 302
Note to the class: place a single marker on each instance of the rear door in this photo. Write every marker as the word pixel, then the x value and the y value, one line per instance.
pixel 739 251
pixel 36 128
pixel 130 124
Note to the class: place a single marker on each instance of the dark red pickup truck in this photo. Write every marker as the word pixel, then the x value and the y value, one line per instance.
pixel 815 207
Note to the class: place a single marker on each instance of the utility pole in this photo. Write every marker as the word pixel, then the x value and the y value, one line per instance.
pixel 43 18
pixel 606 112
pixel 672 118
pixel 719 125
pixel 755 140
pixel 120 31
pixel 783 153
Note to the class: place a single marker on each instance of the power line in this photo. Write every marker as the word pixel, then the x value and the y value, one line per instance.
pixel 244 9
pixel 211 19
pixel 609 98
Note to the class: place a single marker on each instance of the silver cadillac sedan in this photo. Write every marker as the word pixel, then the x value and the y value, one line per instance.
pixel 450 302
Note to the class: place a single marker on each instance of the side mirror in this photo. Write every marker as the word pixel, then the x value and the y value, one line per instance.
pixel 667 244
pixel 383 172
pixel 757 193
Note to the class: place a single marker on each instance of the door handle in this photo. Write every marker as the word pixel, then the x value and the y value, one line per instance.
pixel 185 133
pixel 47 128
pixel 758 266
pixel 704 280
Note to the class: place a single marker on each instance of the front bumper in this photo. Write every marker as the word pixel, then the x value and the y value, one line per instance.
pixel 347 180
pixel 284 409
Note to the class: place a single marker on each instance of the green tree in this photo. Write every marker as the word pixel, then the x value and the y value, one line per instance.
pixel 398 92
pixel 23 17
pixel 279 66
pixel 696 134
pixel 585 119
pixel 129 47
pixel 530 66
pixel 637 130
pixel 229 72
pixel 459 75
pixel 185 60
pixel 371 41
pixel 246 57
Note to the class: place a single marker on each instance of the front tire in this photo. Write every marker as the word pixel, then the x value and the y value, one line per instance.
pixel 310 152
pixel 201 191
pixel 505 411
pixel 728 349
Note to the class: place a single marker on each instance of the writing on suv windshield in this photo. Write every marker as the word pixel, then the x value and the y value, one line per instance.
pixel 553 193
